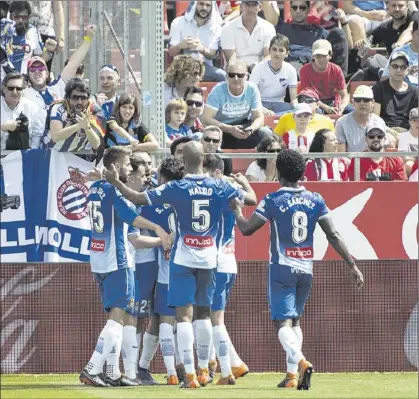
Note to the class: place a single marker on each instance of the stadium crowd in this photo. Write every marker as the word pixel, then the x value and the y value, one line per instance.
pixel 279 78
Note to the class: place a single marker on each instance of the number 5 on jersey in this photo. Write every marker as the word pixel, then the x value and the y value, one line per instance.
pixel 96 216
pixel 200 217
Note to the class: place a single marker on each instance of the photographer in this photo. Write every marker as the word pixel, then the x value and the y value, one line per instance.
pixel 378 169
pixel 21 120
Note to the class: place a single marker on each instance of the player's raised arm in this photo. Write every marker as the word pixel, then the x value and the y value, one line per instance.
pixel 340 247
pixel 112 176
pixel 251 198
pixel 142 223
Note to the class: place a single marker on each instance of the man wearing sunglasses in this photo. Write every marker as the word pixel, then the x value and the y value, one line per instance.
pixel 378 169
pixel 350 129
pixel 212 137
pixel 74 123
pixel 13 106
pixel 394 98
pixel 43 92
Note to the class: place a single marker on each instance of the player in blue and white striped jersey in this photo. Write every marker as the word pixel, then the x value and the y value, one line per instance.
pixel 293 213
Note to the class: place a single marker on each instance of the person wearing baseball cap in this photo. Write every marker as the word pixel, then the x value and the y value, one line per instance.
pixel 317 122
pixel 408 141
pixel 378 169
pixel 327 78
pixel 394 98
pixel 350 129
pixel 300 138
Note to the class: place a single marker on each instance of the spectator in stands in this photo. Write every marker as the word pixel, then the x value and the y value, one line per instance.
pixel 80 69
pixel 7 31
pixel 247 38
pixel 302 34
pixel 194 97
pixel 394 98
pixel 411 50
pixel 409 141
pixel 46 14
pixel 229 10
pixel 351 128
pixel 317 122
pixel 185 71
pixel 274 76
pixel 75 123
pixel 27 41
pixel 327 78
pixel 378 169
pixel 198 33
pixel 109 81
pixel 19 116
pixel 326 169
pixel 229 106
pixel 175 116
pixel 300 138
pixel 123 128
pixel 265 169
pixel 212 138
pixel 176 148
pixel 43 92
pixel 414 172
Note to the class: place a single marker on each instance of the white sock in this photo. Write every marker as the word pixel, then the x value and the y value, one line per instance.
pixel 194 326
pixel 235 359
pixel 292 367
pixel 139 335
pixel 178 359
pixel 150 345
pixel 289 342
pixel 167 347
pixel 112 362
pixel 222 343
pixel 185 345
pixel 203 342
pixel 130 351
pixel 213 354
pixel 108 338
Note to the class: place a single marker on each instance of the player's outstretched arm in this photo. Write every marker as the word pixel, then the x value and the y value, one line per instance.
pixel 142 223
pixel 142 242
pixel 251 198
pixel 112 176
pixel 247 226
pixel 340 247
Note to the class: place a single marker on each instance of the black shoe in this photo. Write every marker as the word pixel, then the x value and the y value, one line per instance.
pixel 113 383
pixel 128 382
pixel 145 377
pixel 92 380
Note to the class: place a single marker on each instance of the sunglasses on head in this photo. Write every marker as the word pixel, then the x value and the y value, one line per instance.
pixel 210 140
pixel 362 100
pixel 296 8
pixel 76 97
pixel 306 100
pixel 233 75
pixel 12 88
pixel 379 136
pixel 197 104
pixel 37 68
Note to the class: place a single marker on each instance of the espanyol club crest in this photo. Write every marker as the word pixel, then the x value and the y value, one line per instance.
pixel 72 195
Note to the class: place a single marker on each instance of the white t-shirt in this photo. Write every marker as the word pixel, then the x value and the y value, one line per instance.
pixel 273 84
pixel 407 141
pixel 256 171
pixel 248 47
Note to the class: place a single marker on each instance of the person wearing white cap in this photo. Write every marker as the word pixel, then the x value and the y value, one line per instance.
pixel 350 129
pixel 327 78
pixel 300 139
pixel 394 98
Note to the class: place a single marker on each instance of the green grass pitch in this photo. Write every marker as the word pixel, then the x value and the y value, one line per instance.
pixel 351 385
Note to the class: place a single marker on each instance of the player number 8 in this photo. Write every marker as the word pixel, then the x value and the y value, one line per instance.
pixel 299 224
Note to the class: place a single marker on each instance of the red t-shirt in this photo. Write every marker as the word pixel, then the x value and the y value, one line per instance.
pixel 326 170
pixel 394 166
pixel 327 83
pixel 414 167
pixel 293 140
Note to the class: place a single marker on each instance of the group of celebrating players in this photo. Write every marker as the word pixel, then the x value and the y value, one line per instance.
pixel 190 216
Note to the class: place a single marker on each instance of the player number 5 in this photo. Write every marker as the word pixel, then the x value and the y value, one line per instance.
pixel 96 216
pixel 299 227
pixel 200 216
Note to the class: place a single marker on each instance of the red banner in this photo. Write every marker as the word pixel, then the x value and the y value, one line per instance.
pixel 377 221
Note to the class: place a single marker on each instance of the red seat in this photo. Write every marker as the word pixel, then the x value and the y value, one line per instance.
pixel 207 87
pixel 240 165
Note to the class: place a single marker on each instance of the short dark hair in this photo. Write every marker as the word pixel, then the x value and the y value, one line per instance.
pixel 76 84
pixel 172 169
pixel 114 154
pixel 11 76
pixel 80 68
pixel 282 40
pixel 18 6
pixel 179 140
pixel 290 165
pixel 415 26
pixel 307 2
pixel 263 146
pixel 212 162
pixel 317 145
pixel 193 90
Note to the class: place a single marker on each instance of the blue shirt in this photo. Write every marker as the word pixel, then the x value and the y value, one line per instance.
pixel 111 214
pixel 293 215
pixel 370 5
pixel 198 202
pixel 233 109
pixel 173 134
pixel 118 139
pixel 412 77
